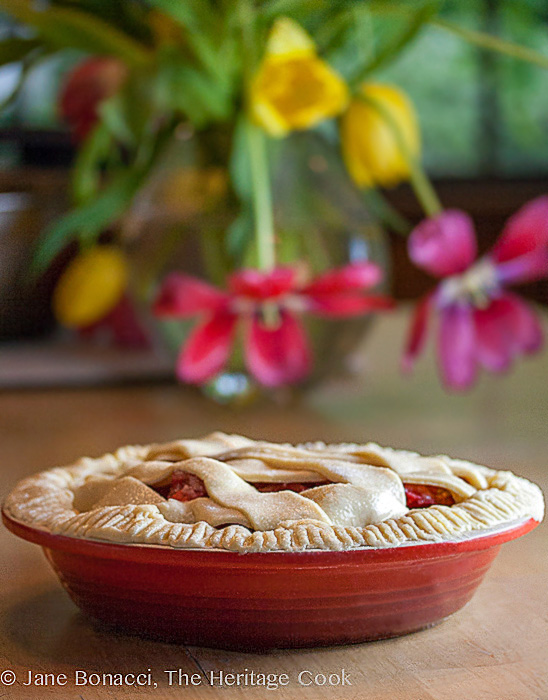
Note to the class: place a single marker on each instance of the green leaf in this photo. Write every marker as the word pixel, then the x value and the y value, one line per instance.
pixel 350 47
pixel 16 49
pixel 183 88
pixel 86 174
pixel 70 28
pixel 398 33
pixel 130 17
pixel 294 8
pixel 113 116
pixel 191 14
pixel 88 220
pixel 210 31
pixel 196 17
pixel 195 88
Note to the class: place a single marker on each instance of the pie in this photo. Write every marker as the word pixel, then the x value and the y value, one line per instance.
pixel 232 493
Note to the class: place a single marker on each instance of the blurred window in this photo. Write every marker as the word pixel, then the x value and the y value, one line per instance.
pixel 482 114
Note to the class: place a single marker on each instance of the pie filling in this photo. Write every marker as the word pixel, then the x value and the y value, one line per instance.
pixel 423 496
pixel 187 487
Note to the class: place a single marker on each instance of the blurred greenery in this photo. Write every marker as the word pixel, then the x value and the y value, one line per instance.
pixel 447 80
pixel 478 117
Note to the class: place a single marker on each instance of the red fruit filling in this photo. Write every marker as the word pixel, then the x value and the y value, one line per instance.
pixel 422 496
pixel 186 487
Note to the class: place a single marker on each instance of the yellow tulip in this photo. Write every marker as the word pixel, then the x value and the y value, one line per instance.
pixel 380 136
pixel 90 287
pixel 294 88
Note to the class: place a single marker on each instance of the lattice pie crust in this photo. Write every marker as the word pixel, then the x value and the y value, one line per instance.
pixel 360 502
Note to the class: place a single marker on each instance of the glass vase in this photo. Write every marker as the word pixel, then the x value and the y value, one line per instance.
pixel 188 219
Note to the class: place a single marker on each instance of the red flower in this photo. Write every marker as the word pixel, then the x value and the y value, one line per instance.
pixel 90 83
pixel 277 353
pixel 481 324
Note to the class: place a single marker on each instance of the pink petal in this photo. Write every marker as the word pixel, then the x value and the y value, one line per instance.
pixel 345 305
pixel 417 333
pixel 207 349
pixel 525 231
pixel 280 355
pixel 505 329
pixel 260 284
pixel 523 324
pixel 444 245
pixel 182 296
pixel 457 346
pixel 526 268
pixel 495 341
pixel 359 275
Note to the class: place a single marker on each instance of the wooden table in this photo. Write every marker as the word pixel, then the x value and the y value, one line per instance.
pixel 494 649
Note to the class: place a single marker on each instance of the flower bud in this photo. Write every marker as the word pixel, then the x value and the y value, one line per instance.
pixel 90 287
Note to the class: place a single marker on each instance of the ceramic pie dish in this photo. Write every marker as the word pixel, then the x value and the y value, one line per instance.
pixel 234 543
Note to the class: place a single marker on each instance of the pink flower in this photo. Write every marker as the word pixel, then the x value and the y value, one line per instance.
pixel 276 352
pixel 481 323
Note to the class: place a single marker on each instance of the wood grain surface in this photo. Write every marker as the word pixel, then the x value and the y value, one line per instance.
pixel 494 649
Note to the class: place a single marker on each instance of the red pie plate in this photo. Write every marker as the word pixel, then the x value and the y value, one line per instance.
pixel 270 600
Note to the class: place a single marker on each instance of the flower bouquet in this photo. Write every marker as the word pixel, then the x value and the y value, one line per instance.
pixel 251 75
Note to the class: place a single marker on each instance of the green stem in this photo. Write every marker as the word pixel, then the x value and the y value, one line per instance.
pixel 424 191
pixel 262 197
pixel 264 215
pixel 493 43
pixel 257 149
pixel 261 194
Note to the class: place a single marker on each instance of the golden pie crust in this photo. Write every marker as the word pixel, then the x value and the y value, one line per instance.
pixel 362 504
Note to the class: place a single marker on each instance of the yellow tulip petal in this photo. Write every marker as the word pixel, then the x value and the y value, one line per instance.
pixel 402 112
pixel 296 93
pixel 354 151
pixel 287 38
pixel 90 287
pixel 264 114
pixel 372 150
